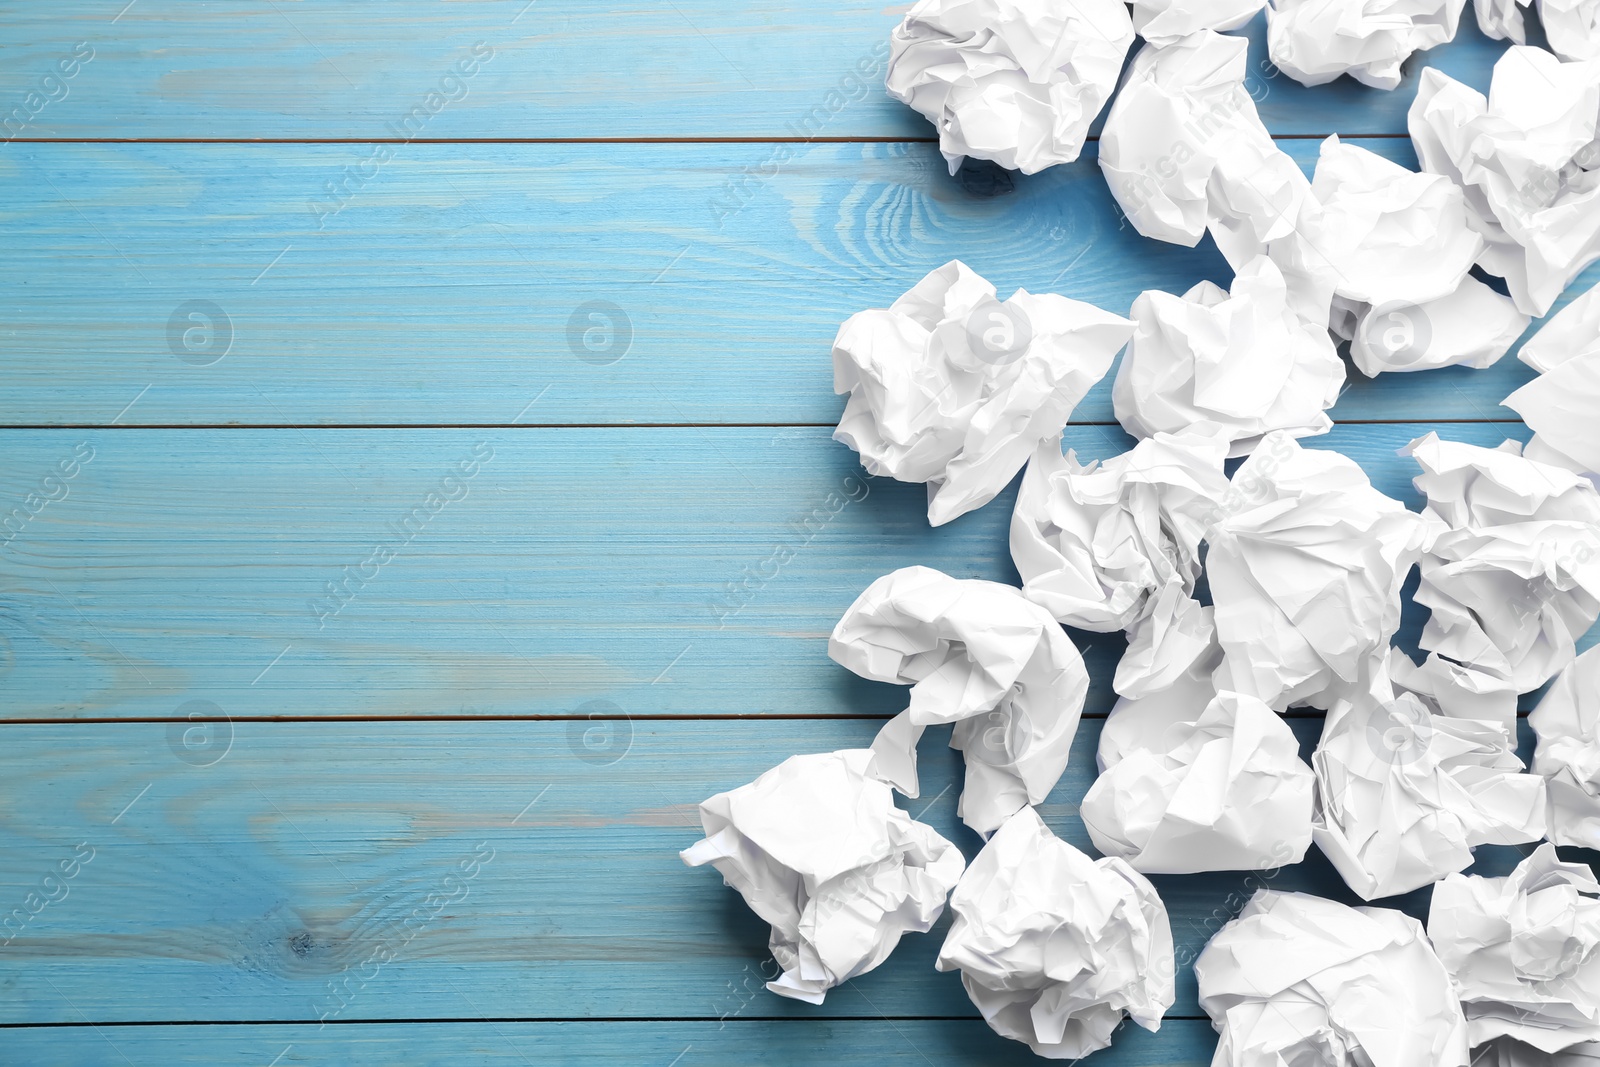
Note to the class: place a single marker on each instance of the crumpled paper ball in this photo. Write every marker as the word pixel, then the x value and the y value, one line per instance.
pixel 1514 579
pixel 1299 981
pixel 1138 722
pixel 1115 545
pixel 1559 405
pixel 1394 248
pixel 1306 562
pixel 1056 948
pixel 1523 951
pixel 1525 158
pixel 1315 41
pixel 1455 690
pixel 1226 791
pixel 1472 326
pixel 1184 151
pixel 1383 234
pixel 818 849
pixel 978 654
pixel 1404 795
pixel 1244 360
pixel 1013 81
pixel 1571 333
pixel 1572 27
pixel 1567 752
pixel 952 387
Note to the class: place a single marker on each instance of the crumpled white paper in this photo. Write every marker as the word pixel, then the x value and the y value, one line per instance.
pixel 1572 27
pixel 1244 360
pixel 1226 791
pixel 951 387
pixel 1471 326
pixel 1383 234
pixel 1571 333
pixel 1515 579
pixel 1315 41
pixel 1567 753
pixel 818 849
pixel 978 654
pixel 1184 150
pixel 1561 403
pixel 1148 719
pixel 1115 545
pixel 1523 951
pixel 1054 947
pixel 1454 690
pixel 1526 158
pixel 1298 980
pixel 1506 1052
pixel 1404 795
pixel 1095 542
pixel 1014 81
pixel 1305 564
pixel 1161 22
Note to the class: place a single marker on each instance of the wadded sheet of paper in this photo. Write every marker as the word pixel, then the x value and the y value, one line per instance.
pixel 982 656
pixel 1297 979
pixel 1404 795
pixel 1243 360
pixel 1471 326
pixel 1013 81
pixel 1514 578
pixel 1525 157
pixel 952 387
pixel 1523 951
pixel 1305 564
pixel 1184 151
pixel 1567 753
pixel 818 849
pixel 1315 41
pixel 1226 791
pixel 1561 403
pixel 1116 545
pixel 1572 27
pixel 1056 948
pixel 1385 233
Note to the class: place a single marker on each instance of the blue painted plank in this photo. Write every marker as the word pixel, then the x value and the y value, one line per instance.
pixel 190 284
pixel 237 69
pixel 639 566
pixel 502 869
pixel 738 1043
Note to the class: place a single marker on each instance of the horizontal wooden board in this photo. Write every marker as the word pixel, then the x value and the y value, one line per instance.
pixel 244 69
pixel 487 284
pixel 667 571
pixel 741 1042
pixel 267 871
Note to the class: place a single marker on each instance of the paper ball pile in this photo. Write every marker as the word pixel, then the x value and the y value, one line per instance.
pixel 1303 558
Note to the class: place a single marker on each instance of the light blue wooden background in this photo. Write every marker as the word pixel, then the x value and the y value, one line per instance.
pixel 251 880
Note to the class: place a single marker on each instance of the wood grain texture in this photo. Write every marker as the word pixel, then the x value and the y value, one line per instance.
pixel 748 1042
pixel 277 882
pixel 650 568
pixel 246 69
pixel 452 287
